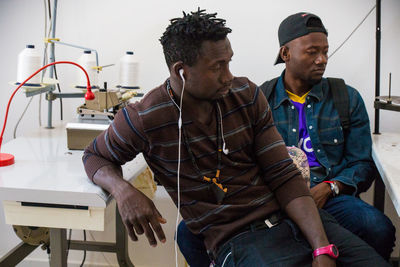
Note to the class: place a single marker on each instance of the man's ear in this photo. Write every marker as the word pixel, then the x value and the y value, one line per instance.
pixel 177 69
pixel 284 53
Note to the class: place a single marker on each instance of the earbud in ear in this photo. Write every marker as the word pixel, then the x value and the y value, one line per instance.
pixel 181 74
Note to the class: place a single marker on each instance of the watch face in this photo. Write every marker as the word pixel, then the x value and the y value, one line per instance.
pixel 335 251
pixel 336 189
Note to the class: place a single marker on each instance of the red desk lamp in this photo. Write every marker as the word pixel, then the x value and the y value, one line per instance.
pixel 8 159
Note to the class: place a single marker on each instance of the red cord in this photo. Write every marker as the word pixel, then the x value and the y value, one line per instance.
pixel 89 94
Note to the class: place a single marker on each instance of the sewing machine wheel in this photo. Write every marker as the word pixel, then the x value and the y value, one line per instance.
pixel 33 235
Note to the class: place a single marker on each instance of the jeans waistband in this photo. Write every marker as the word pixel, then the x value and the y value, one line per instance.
pixel 272 220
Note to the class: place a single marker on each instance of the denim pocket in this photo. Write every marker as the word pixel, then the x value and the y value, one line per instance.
pixel 332 140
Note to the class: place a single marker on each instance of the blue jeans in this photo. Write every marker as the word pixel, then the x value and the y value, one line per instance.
pixel 365 221
pixel 284 245
pixel 352 213
pixel 192 247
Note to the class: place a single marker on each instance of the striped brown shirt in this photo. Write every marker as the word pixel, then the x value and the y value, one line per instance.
pixel 259 175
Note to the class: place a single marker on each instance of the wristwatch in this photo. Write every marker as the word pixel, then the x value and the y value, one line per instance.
pixel 334 187
pixel 330 250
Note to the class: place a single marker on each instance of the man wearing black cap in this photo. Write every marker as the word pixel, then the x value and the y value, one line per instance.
pixel 338 149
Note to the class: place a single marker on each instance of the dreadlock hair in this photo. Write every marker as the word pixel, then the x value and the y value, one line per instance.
pixel 182 39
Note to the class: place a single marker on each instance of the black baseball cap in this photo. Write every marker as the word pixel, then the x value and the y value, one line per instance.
pixel 298 25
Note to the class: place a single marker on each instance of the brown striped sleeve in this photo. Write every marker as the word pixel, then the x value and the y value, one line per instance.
pixel 278 170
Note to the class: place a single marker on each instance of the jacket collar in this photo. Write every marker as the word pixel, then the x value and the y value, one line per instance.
pixel 281 95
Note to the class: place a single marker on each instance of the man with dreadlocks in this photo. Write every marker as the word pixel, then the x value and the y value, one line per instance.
pixel 210 139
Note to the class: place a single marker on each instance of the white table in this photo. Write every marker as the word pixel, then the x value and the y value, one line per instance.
pixel 386 154
pixel 48 187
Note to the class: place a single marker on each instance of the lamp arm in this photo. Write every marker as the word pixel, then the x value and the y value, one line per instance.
pixel 89 94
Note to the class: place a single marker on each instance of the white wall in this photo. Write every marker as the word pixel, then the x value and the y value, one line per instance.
pixel 112 27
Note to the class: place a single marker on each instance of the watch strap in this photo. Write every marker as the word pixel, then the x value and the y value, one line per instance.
pixel 330 250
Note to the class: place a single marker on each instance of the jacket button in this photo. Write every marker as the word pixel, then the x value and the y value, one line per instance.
pixel 294 130
pixel 335 140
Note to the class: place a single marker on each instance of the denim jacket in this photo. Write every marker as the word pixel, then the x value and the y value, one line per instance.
pixel 345 157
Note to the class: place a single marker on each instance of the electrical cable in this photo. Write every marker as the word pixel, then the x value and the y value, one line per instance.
pixel 46 6
pixel 55 69
pixel 102 253
pixel 41 80
pixel 20 118
pixel 46 35
pixel 44 59
pixel 84 252
pixel 45 17
pixel 356 28
pixel 59 90
pixel 54 66
pixel 40 110
pixel 44 63
pixel 69 241
pixel 49 6
pixel 84 239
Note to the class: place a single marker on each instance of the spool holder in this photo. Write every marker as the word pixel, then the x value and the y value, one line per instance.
pixel 386 102
pixel 50 94
pixel 381 102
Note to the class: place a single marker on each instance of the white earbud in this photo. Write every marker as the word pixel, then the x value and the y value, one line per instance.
pixel 181 74
pixel 224 149
pixel 180 122
pixel 180 106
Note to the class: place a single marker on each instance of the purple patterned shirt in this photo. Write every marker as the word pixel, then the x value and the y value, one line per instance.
pixel 304 137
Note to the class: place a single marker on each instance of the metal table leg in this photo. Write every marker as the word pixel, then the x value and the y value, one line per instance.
pixel 379 194
pixel 121 241
pixel 58 247
pixel 16 255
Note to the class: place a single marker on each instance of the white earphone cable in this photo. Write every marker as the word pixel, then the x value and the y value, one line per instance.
pixel 224 149
pixel 179 169
pixel 226 257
